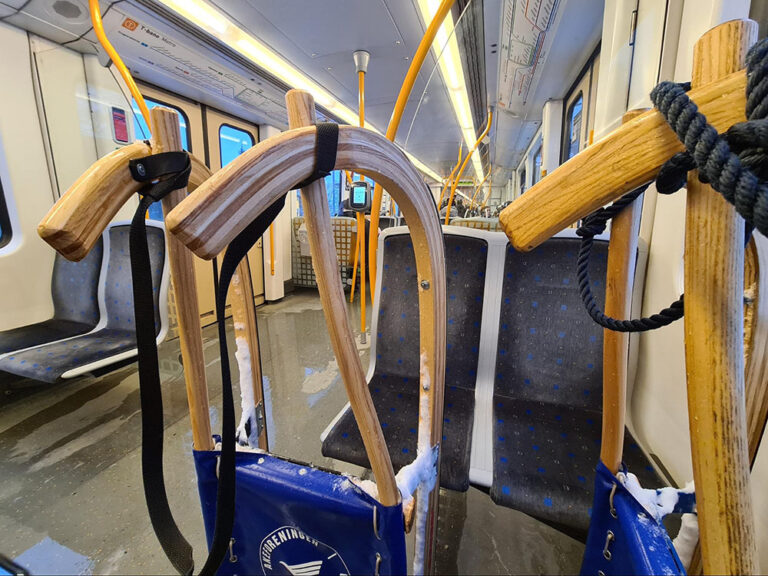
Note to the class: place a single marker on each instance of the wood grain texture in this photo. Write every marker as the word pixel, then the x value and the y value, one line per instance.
pixel 77 220
pixel 714 272
pixel 233 197
pixel 629 156
pixel 301 112
pixel 244 319
pixel 620 280
pixel 166 138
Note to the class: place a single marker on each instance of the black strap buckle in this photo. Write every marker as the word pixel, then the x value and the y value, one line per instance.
pixel 152 169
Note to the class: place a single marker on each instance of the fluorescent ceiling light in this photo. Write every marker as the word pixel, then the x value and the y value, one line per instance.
pixel 446 50
pixel 216 23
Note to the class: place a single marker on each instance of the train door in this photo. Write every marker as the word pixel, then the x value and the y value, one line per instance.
pixel 228 137
pixel 193 139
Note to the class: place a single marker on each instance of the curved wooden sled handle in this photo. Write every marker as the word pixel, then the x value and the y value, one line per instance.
pixel 75 222
pixel 233 197
pixel 629 156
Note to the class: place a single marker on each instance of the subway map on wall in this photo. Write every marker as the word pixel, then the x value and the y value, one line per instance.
pixel 524 29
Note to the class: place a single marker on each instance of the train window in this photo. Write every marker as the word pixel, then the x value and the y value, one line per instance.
pixel 522 181
pixel 233 142
pixel 5 221
pixel 333 185
pixel 537 165
pixel 140 126
pixel 142 132
pixel 573 134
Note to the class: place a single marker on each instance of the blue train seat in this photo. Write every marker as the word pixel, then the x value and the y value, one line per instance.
pixel 114 338
pixel 394 373
pixel 547 400
pixel 74 290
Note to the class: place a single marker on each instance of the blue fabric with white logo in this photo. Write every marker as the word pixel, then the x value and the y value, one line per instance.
pixel 296 519
pixel 629 540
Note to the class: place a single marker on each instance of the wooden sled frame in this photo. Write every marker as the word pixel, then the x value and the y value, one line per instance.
pixel 77 219
pixel 232 198
pixel 714 273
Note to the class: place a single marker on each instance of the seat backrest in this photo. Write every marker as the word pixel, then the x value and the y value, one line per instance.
pixel 388 222
pixel 75 287
pixel 549 349
pixel 397 323
pixel 478 223
pixel 118 288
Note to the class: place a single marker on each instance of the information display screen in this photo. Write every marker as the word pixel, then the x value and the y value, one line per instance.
pixel 360 196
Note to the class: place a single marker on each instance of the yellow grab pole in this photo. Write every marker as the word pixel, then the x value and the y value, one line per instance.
pixel 464 165
pixel 450 178
pixel 361 221
pixel 394 122
pixel 472 202
pixel 98 28
pixel 490 187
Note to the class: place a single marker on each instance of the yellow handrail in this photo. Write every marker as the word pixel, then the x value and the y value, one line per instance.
pixel 464 165
pixel 450 178
pixel 361 215
pixel 98 28
pixel 394 123
pixel 472 202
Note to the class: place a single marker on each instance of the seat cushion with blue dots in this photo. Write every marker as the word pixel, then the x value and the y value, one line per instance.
pixel 548 388
pixel 395 383
pixel 48 362
pixel 545 457
pixel 74 291
pixel 397 405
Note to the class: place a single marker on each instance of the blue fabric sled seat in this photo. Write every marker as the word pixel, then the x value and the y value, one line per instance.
pixel 394 372
pixel 74 291
pixel 547 402
pixel 113 338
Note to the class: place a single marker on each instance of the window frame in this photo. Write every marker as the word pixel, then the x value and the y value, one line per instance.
pixel 587 70
pixel 6 228
pixel 567 142
pixel 228 125
pixel 176 109
pixel 536 177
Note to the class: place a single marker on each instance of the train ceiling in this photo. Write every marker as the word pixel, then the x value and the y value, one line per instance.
pixel 525 51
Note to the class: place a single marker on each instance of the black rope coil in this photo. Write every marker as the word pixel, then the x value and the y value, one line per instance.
pixel 593 225
pixel 735 164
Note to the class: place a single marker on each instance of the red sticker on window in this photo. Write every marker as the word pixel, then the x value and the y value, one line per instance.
pixel 119 125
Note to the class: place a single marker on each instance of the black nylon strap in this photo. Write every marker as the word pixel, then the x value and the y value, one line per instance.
pixel 177 166
pixel 225 495
pixel 326 145
pixel 177 549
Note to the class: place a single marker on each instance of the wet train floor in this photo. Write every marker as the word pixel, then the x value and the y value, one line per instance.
pixel 71 499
